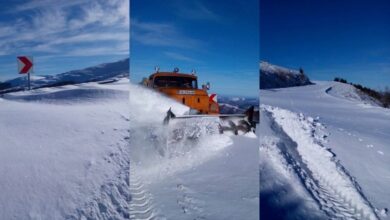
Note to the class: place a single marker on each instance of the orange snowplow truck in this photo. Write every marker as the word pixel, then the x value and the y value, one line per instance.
pixel 183 87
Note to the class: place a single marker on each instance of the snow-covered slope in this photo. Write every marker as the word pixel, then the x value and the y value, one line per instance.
pixel 236 105
pixel 272 76
pixel 327 150
pixel 91 74
pixel 349 92
pixel 187 170
pixel 64 152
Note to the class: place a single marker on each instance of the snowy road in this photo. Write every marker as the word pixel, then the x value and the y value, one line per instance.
pixel 212 176
pixel 64 152
pixel 341 149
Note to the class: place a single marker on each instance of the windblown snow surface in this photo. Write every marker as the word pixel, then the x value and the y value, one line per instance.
pixel 64 152
pixel 324 154
pixel 187 170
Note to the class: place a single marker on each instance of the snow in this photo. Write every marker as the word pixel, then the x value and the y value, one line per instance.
pixel 236 99
pixel 230 109
pixel 320 162
pixel 281 194
pixel 236 105
pixel 206 176
pixel 144 101
pixel 64 152
pixel 334 142
pixel 273 76
pixel 91 74
pixel 349 92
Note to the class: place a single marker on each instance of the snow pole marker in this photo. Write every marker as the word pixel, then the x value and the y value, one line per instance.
pixel 25 66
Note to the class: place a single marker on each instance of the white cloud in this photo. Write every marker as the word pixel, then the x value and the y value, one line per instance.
pixel 49 21
pixel 39 4
pixel 178 56
pixel 161 34
pixel 57 26
pixel 99 51
pixel 113 12
pixel 195 10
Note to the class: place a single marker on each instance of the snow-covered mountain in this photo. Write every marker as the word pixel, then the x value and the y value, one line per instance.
pixel 325 152
pixel 236 105
pixel 100 72
pixel 273 76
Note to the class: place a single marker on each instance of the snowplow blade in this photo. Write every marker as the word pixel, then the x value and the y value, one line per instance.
pixel 245 122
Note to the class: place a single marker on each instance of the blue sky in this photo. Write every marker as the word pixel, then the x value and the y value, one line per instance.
pixel 62 35
pixel 219 39
pixel 328 38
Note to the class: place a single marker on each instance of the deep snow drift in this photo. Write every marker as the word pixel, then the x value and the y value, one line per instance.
pixel 64 152
pixel 324 154
pixel 187 170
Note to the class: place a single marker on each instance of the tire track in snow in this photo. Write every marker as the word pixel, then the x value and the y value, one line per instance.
pixel 329 183
pixel 141 201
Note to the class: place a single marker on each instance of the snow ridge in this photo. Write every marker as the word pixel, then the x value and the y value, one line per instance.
pixel 347 91
pixel 327 181
pixel 113 197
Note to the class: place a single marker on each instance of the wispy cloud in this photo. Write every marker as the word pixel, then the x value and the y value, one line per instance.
pixel 181 57
pixel 161 34
pixel 39 4
pixel 53 27
pixel 195 10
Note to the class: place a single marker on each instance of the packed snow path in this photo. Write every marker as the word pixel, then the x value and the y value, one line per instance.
pixel 354 126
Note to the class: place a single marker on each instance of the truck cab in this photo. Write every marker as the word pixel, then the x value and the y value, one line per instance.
pixel 183 87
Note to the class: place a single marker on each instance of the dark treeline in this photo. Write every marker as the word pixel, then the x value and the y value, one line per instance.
pixel 382 96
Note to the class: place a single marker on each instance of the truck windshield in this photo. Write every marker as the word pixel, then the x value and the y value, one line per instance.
pixel 176 82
